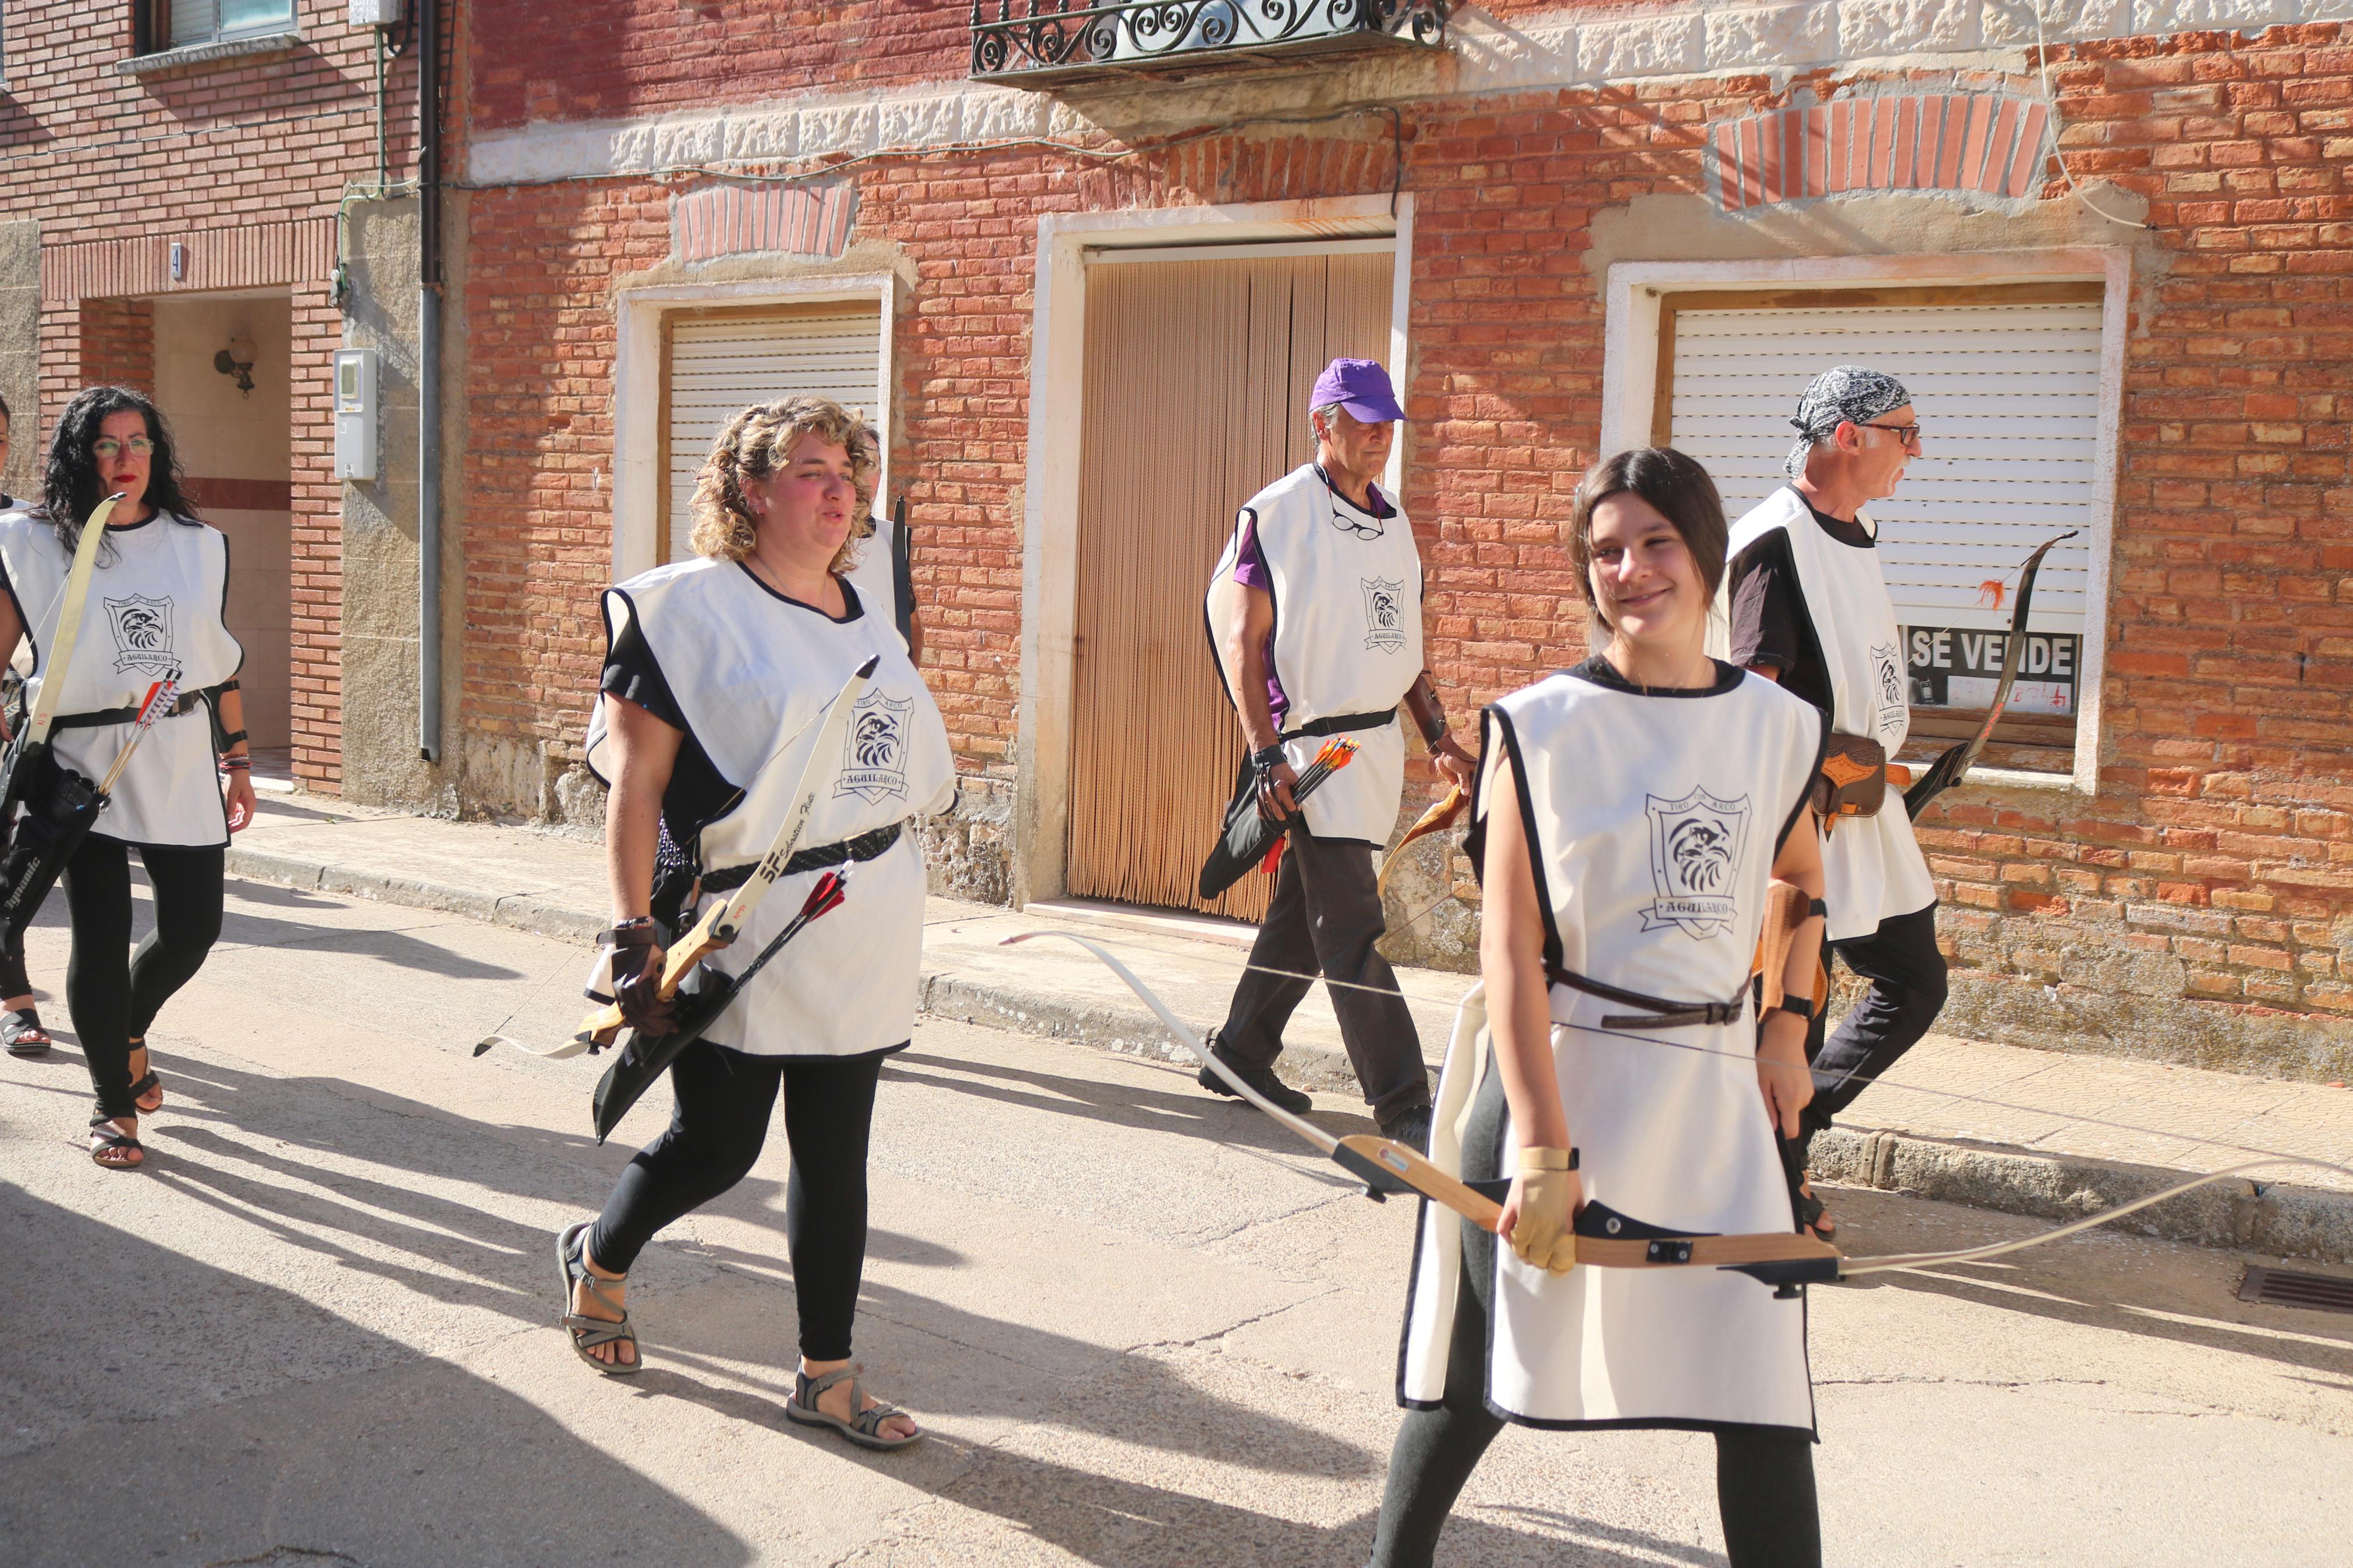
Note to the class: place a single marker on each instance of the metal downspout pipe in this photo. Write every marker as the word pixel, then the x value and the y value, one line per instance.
pixel 428 380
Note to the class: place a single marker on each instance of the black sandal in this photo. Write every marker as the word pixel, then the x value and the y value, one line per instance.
pixel 1813 1211
pixel 147 1085
pixel 21 1031
pixel 111 1139
pixel 864 1427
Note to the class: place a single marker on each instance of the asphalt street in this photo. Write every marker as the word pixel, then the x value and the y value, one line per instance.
pixel 1141 1326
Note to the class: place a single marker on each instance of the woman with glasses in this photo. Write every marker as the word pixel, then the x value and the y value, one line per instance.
pixel 1809 609
pixel 152 613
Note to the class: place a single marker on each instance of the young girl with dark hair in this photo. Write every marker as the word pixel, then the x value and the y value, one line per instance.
pixel 153 612
pixel 1633 813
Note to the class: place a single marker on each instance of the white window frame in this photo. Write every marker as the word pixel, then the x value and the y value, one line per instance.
pixel 217 34
pixel 637 434
pixel 1050 524
pixel 1629 379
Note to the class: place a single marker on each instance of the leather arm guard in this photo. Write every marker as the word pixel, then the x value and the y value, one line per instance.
pixel 1787 908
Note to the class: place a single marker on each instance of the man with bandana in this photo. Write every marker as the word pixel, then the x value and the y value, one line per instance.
pixel 1809 609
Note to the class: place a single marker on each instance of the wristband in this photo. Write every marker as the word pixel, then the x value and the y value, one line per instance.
pixel 1535 1162
pixel 1269 759
pixel 623 927
pixel 1796 1007
pixel 235 764
pixel 232 739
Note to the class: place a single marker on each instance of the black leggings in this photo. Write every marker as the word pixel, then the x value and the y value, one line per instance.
pixel 1906 973
pixel 1764 1475
pixel 721 1120
pixel 112 994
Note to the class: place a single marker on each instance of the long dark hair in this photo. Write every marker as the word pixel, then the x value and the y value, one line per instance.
pixel 1681 490
pixel 70 485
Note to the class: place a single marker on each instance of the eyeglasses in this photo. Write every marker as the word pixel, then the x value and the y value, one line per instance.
pixel 107 447
pixel 1908 434
pixel 1361 530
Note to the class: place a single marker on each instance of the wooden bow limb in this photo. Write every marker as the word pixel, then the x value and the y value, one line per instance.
pixel 1386 1167
pixel 1954 764
pixel 1437 820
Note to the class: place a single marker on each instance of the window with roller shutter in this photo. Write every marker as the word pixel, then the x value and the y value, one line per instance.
pixel 717 363
pixel 2006 384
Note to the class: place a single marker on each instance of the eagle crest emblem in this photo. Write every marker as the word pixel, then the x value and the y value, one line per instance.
pixel 874 752
pixel 1384 613
pixel 143 635
pixel 1696 847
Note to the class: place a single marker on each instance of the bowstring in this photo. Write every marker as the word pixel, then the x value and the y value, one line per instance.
pixel 1866 1079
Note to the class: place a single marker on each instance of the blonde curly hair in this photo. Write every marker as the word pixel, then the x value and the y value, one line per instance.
pixel 752 447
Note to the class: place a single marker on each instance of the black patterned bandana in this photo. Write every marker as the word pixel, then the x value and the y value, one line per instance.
pixel 1844 394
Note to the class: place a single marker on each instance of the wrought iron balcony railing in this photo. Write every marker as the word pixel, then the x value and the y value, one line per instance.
pixel 1042 42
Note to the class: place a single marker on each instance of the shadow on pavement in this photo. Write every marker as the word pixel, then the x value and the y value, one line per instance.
pixel 169 1411
pixel 460 1255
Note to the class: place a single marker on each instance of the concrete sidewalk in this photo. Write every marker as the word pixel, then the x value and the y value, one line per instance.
pixel 2024 1131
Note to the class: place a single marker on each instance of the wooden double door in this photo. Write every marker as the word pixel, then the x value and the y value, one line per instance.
pixel 1198 375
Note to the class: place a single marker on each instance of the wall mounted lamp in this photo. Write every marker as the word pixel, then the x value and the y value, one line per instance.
pixel 235 362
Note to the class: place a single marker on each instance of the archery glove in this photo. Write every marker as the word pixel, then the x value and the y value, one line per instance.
pixel 1549 1187
pixel 635 977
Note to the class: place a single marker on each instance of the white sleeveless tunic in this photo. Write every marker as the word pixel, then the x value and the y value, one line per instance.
pixel 1652 873
pixel 154 610
pixel 754 673
pixel 1872 865
pixel 1347 638
pixel 875 572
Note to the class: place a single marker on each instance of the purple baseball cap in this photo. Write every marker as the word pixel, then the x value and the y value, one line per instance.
pixel 1361 387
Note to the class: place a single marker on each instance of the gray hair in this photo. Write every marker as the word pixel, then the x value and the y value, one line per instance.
pixel 1322 411
pixel 1844 394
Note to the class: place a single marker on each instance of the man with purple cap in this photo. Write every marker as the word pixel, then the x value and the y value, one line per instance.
pixel 1314 617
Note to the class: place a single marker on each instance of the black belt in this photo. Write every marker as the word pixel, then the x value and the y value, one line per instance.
pixel 1341 724
pixel 1656 1013
pixel 186 702
pixel 865 847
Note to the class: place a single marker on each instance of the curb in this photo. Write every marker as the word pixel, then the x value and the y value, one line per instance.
pixel 2274 1219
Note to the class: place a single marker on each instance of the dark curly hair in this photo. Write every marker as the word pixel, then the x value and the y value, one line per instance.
pixel 70 485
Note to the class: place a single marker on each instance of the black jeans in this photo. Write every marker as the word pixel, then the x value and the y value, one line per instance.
pixel 112 994
pixel 1764 1475
pixel 1907 991
pixel 1325 918
pixel 719 1121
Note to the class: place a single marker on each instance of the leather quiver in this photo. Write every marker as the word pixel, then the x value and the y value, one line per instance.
pixel 1853 778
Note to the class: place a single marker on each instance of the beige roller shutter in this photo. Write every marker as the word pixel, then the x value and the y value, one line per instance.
pixel 2008 396
pixel 717 364
pixel 1197 373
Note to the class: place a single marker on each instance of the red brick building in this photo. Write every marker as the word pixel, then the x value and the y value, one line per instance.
pixel 1081 271
pixel 206 178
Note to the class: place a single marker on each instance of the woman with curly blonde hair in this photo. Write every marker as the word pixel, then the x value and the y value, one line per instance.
pixel 719 674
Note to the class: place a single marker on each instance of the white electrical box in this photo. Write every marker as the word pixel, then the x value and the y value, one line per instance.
pixel 355 420
pixel 375 13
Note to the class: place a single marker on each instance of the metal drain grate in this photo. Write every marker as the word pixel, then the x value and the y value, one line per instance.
pixel 2287 1288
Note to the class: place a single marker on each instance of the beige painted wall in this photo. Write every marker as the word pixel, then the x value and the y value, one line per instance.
pixel 225 434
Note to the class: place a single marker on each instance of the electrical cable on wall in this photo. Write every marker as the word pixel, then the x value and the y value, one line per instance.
pixel 2050 103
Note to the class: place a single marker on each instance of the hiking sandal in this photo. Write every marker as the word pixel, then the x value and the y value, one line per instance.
pixel 586 1333
pixel 864 1427
pixel 21 1031
pixel 108 1139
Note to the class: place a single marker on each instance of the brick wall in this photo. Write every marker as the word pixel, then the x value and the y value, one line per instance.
pixel 2200 908
pixel 207 150
pixel 117 346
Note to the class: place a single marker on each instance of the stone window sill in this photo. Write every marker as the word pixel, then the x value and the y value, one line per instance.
pixel 2021 778
pixel 202 54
